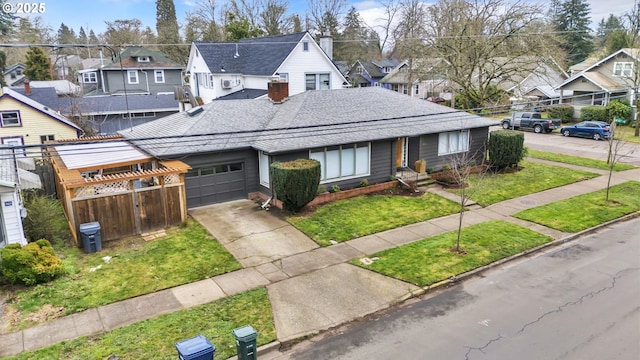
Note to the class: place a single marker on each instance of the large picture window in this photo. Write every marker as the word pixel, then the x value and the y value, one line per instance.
pixel 453 142
pixel 342 162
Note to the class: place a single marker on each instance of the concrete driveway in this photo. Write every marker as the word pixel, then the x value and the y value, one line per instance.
pixel 252 235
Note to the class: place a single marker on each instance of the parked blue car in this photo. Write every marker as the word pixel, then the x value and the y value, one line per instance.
pixel 595 130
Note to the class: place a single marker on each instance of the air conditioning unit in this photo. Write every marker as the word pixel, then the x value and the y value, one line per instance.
pixel 226 84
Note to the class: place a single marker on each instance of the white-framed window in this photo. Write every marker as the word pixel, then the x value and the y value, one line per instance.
pixel 158 75
pixel 89 78
pixel 624 69
pixel 45 138
pixel 10 118
pixel 453 142
pixel 317 81
pixel 263 160
pixel 305 46
pixel 343 162
pixel 15 141
pixel 284 77
pixel 132 75
pixel 144 59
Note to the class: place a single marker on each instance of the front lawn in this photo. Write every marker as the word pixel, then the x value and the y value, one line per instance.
pixel 155 338
pixel 363 215
pixel 135 267
pixel 627 133
pixel 430 260
pixel 532 178
pixel 587 210
pixel 576 160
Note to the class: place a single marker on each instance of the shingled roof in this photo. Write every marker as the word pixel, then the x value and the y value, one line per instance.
pixel 306 120
pixel 255 56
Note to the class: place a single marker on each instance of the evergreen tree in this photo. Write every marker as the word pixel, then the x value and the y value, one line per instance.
pixel 168 30
pixel 93 39
pixel 37 66
pixel 611 34
pixel 66 35
pixel 6 27
pixel 572 23
pixel 240 28
pixel 355 41
pixel 297 25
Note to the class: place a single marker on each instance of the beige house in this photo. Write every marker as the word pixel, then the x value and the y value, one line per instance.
pixel 613 77
pixel 24 121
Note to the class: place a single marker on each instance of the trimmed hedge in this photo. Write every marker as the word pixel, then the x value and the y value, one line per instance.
pixel 31 264
pixel 295 183
pixel 563 112
pixel 593 113
pixel 505 148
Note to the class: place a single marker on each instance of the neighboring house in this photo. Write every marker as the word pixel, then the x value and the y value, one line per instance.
pixel 62 87
pixel 14 75
pixel 219 69
pixel 608 79
pixel 14 176
pixel 366 73
pixel 141 71
pixel 536 87
pixel 421 78
pixel 356 134
pixel 64 67
pixel 106 114
pixel 24 121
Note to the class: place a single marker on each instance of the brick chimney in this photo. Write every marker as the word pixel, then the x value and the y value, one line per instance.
pixel 278 91
pixel 27 88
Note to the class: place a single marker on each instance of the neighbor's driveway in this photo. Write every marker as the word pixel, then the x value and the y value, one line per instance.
pixel 252 235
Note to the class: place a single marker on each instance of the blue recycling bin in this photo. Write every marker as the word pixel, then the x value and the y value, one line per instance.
pixel 90 234
pixel 195 348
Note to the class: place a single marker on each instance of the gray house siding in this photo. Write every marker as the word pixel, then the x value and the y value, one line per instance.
pixel 146 83
pixel 428 148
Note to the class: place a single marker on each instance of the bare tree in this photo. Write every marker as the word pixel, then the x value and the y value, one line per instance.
pixel 487 42
pixel 464 166
pixel 324 13
pixel 632 22
pixel 124 31
pixel 385 27
pixel 616 146
pixel 273 17
pixel 203 23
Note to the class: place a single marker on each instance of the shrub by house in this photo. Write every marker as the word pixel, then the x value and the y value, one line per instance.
pixel 295 183
pixel 506 149
pixel 31 264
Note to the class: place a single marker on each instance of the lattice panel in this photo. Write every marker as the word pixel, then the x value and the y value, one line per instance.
pixel 84 191
pixel 172 179
pixel 101 189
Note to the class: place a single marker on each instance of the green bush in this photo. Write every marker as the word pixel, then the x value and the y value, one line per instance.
pixel 296 182
pixel 45 219
pixel 31 264
pixel 563 112
pixel 593 113
pixel 619 109
pixel 505 148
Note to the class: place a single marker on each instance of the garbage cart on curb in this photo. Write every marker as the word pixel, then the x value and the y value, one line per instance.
pixel 246 342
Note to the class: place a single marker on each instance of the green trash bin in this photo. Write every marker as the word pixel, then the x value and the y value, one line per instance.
pixel 246 342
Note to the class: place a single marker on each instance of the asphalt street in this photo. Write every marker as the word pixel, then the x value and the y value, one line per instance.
pixel 577 301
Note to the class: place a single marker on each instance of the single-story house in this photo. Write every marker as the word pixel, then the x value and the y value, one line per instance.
pixel 356 134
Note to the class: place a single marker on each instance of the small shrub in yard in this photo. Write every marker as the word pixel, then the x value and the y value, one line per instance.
pixel 364 183
pixel 593 113
pixel 506 148
pixel 31 264
pixel 296 182
pixel 45 219
pixel 335 188
pixel 561 111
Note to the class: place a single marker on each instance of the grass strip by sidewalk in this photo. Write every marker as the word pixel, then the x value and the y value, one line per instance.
pixel 155 338
pixel 576 160
pixel 532 178
pixel 430 260
pixel 363 215
pixel 185 255
pixel 588 210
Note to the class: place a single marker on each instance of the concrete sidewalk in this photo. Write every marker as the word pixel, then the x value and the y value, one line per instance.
pixel 310 288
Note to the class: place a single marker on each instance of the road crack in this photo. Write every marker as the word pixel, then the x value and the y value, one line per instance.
pixel 578 301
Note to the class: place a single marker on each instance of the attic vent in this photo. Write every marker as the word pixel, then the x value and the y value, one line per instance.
pixel 195 111
pixel 226 84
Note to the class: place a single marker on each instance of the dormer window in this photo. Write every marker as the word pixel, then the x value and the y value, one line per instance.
pixel 144 59
pixel 359 69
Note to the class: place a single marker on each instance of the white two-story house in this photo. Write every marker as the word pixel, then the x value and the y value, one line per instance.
pixel 240 70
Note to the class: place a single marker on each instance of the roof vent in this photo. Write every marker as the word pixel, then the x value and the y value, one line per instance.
pixel 195 111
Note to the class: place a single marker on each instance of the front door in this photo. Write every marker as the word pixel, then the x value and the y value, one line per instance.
pixel 402 151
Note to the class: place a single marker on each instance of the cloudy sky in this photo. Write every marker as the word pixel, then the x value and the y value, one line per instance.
pixel 92 14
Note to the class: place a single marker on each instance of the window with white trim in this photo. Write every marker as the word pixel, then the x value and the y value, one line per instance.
pixel 263 159
pixel 158 75
pixel 89 78
pixel 305 46
pixel 622 69
pixel 133 76
pixel 317 81
pixel 10 118
pixel 342 162
pixel 284 77
pixel 417 89
pixel 453 142
pixel 143 59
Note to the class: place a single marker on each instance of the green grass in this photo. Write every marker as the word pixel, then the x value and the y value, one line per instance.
pixel 626 133
pixel 155 338
pixel 576 160
pixel 430 260
pixel 534 177
pixel 587 210
pixel 183 256
pixel 364 215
